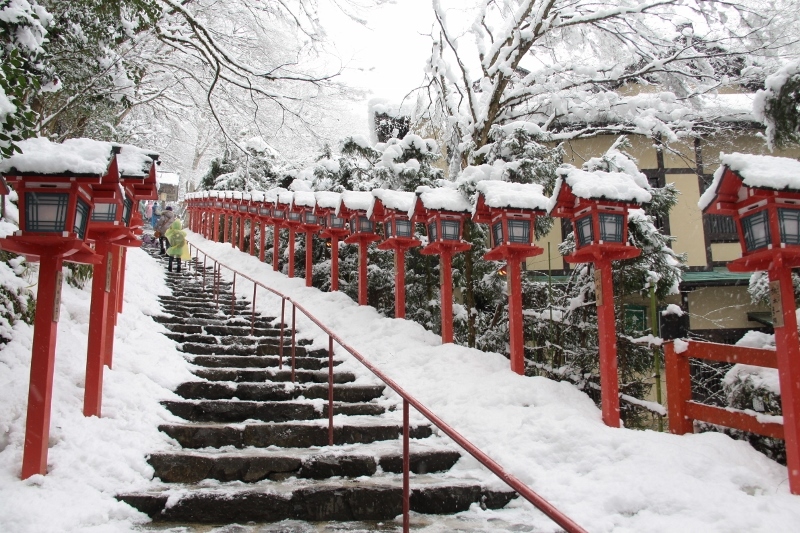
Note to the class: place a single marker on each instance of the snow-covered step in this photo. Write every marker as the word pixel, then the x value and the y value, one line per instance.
pixel 259 361
pixel 277 391
pixel 243 375
pixel 286 435
pixel 340 500
pixel 251 467
pixel 280 411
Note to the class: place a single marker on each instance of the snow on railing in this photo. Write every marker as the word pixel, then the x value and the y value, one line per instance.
pixel 509 479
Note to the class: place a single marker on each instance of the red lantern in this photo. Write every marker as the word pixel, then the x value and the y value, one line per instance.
pixel 334 228
pixel 391 208
pixel 292 219
pixel 510 210
pixel 53 183
pixel 443 212
pixel 597 203
pixel 304 203
pixel 353 207
pixel 762 194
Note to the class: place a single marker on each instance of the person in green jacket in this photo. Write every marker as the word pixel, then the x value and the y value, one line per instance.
pixel 179 248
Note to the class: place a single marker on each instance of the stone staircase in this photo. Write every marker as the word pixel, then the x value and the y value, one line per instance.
pixel 254 445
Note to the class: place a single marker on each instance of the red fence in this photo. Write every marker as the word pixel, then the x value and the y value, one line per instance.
pixel 513 482
pixel 683 411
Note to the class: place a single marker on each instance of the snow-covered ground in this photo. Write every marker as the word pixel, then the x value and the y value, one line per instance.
pixel 548 434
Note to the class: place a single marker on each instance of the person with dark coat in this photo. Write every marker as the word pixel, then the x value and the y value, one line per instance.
pixel 163 224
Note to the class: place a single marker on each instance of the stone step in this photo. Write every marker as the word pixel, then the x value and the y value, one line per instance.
pixel 239 375
pixel 202 338
pixel 266 334
pixel 260 361
pixel 313 501
pixel 230 411
pixel 202 348
pixel 284 435
pixel 188 467
pixel 202 390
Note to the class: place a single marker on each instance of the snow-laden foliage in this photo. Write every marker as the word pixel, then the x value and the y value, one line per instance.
pixel 16 300
pixel 23 27
pixel 778 106
pixel 580 67
pixel 258 168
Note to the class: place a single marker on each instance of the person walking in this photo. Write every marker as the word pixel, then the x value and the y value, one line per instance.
pixel 148 214
pixel 179 249
pixel 155 214
pixel 164 223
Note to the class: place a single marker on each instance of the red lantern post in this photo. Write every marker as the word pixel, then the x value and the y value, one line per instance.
pixel 54 187
pixel 391 208
pixel 443 212
pixel 252 215
pixel 333 228
pixel 353 207
pixel 278 219
pixel 305 202
pixel 292 221
pixel 510 210
pixel 762 194
pixel 217 216
pixel 263 216
pixel 597 203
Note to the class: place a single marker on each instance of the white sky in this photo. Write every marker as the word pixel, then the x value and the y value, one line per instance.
pixel 388 56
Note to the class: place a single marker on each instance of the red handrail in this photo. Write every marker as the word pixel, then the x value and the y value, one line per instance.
pixel 512 481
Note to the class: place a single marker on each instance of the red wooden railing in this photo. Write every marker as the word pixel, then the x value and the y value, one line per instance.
pixel 683 411
pixel 512 481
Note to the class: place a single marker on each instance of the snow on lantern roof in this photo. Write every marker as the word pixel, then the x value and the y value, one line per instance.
pixel 504 194
pixel 167 178
pixel 73 156
pixel 134 161
pixel 759 171
pixel 257 196
pixel 356 201
pixel 395 200
pixel 305 198
pixel 237 195
pixel 328 199
pixel 214 194
pixel 271 196
pixel 284 197
pixel 598 185
pixel 441 199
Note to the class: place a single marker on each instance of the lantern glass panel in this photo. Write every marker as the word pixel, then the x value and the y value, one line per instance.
pixel 46 212
pixel 294 215
pixel 217 204
pixel 337 222
pixel 756 231
pixel 242 208
pixel 403 228
pixel 790 225
pixel 278 213
pixel 451 230
pixel 585 230
pixel 253 209
pixel 519 231
pixel 497 233
pixel 127 210
pixel 365 225
pixel 611 226
pixel 432 235
pixel 311 218
pixel 104 212
pixel 81 218
pixel 265 212
pixel 387 228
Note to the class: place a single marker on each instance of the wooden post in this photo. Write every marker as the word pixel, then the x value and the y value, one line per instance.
pixel 334 262
pixel 362 273
pixel 446 292
pixel 787 347
pixel 515 332
pixel 607 332
pixel 241 233
pixel 276 246
pixel 40 390
pixel 262 241
pixel 679 390
pixel 400 282
pixel 253 236
pixel 98 315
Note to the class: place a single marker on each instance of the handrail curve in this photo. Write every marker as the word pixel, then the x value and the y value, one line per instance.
pixel 493 466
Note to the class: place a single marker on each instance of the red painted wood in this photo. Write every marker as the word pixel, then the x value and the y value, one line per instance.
pixel 515 332
pixel 334 262
pixel 400 283
pixel 446 291
pixel 111 308
pixel 607 331
pixel 216 220
pixel 262 241
pixel 787 348
pixel 679 390
pixel 726 353
pixel 252 236
pixel 309 257
pixel 276 245
pixel 96 350
pixel 40 390
pixel 733 419
pixel 121 291
pixel 240 225
pixel 363 281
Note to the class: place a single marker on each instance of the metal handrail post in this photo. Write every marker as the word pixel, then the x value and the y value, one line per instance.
pixel 280 346
pixel 330 390
pixel 253 312
pixel 294 339
pixel 406 468
pixel 233 295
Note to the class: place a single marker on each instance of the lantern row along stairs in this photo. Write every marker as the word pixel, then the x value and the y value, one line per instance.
pixel 255 446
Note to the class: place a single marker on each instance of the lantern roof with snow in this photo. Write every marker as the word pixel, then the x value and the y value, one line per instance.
pixel 74 157
pixel 384 200
pixel 739 172
pixel 355 201
pixel 284 197
pixel 304 199
pixel 575 188
pixel 327 200
pixel 438 199
pixel 494 195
